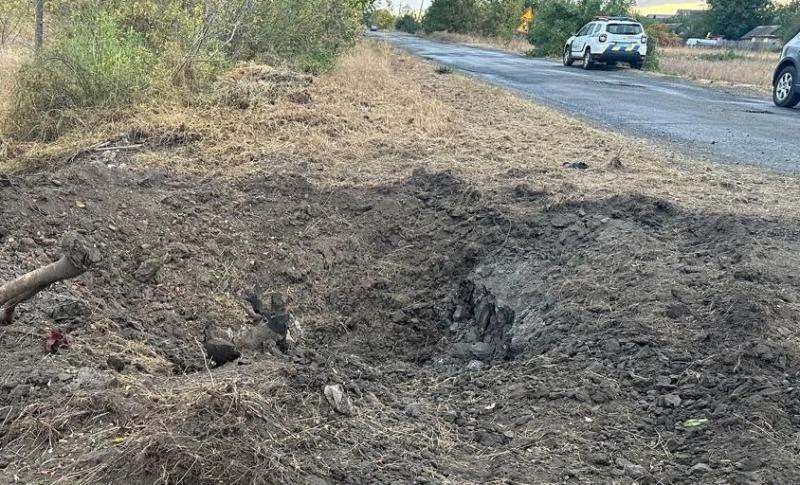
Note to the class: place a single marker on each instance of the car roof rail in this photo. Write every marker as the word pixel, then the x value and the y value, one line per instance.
pixel 625 19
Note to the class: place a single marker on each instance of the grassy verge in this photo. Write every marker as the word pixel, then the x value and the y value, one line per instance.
pixel 516 45
pixel 749 68
pixel 380 114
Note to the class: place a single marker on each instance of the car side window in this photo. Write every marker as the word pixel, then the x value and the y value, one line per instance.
pixel 584 30
pixel 597 29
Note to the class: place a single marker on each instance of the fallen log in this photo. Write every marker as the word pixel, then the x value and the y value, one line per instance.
pixel 78 256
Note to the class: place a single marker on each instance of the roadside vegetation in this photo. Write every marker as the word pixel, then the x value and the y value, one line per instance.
pixel 102 56
pixel 517 45
pixel 492 24
pixel 747 68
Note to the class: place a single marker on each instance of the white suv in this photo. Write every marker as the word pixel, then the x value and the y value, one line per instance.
pixel 609 40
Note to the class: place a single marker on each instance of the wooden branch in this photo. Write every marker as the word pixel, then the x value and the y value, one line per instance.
pixel 78 257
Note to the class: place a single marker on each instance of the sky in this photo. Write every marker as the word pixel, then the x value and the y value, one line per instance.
pixel 643 6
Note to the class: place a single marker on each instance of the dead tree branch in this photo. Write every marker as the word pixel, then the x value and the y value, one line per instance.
pixel 78 256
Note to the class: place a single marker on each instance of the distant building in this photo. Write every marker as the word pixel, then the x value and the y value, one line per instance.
pixel 764 34
pixel 658 16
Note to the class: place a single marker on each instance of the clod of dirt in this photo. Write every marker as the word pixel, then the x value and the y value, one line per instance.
pixel 338 399
pixel 578 165
pixel 70 310
pixel 252 85
pixel 699 469
pixel 147 270
pixel 631 469
pixel 221 351
pixel 116 363
pixel 616 164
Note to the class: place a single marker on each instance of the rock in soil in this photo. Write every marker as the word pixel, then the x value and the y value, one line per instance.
pixel 221 351
pixel 338 399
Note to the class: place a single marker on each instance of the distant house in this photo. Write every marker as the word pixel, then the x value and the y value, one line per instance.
pixel 767 35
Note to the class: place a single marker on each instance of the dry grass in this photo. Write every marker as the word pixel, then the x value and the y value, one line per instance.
pixel 11 59
pixel 748 68
pixel 516 45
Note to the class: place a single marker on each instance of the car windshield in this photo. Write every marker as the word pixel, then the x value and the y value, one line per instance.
pixel 624 29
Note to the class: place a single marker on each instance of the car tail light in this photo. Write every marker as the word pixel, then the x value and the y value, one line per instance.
pixel 644 39
pixel 603 37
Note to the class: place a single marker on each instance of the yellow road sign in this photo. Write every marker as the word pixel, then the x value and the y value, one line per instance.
pixel 525 21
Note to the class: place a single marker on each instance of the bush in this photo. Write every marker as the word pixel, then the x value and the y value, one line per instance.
pixel 500 18
pixel 407 23
pixel 318 61
pixel 111 53
pixel 96 66
pixel 556 20
pixel 383 18
pixel 460 16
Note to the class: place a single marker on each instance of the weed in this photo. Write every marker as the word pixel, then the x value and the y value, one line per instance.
pixel 96 66
pixel 318 60
pixel 728 55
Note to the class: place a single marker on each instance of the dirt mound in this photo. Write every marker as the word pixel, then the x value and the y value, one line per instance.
pixel 479 336
pixel 252 85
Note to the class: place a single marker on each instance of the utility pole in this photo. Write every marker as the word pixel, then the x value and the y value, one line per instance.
pixel 39 36
pixel 421 5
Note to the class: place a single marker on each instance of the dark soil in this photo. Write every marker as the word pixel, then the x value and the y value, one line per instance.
pixel 479 336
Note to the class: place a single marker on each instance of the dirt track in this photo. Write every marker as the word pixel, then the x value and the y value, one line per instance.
pixel 510 332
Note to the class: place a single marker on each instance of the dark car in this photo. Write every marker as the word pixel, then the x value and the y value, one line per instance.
pixel 785 80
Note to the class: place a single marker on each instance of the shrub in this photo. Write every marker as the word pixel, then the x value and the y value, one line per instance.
pixel 96 66
pixel 407 23
pixel 111 53
pixel 460 16
pixel 500 18
pixel 318 61
pixel 384 18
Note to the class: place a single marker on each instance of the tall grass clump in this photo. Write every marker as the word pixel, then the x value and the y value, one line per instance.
pixel 95 65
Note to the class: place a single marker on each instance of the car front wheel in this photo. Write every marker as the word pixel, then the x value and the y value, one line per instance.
pixel 784 92
pixel 567 56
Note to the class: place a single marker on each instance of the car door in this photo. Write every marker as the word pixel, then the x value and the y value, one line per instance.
pixel 580 40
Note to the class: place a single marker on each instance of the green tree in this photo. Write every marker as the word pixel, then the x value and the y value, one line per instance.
pixel 407 23
pixel 462 16
pixel 383 18
pixel 734 18
pixel 788 17
pixel 500 18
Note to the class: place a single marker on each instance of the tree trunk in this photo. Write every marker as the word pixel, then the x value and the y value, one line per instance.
pixel 78 257
pixel 39 39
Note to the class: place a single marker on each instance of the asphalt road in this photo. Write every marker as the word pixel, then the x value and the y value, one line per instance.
pixel 700 121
